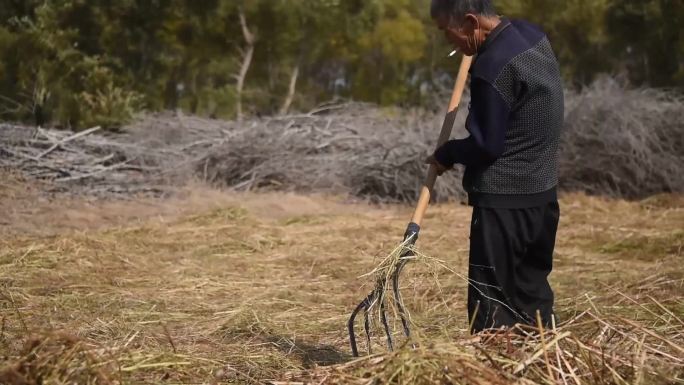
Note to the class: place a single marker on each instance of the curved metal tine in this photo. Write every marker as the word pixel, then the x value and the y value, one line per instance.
pixel 366 328
pixel 397 295
pixel 350 324
pixel 383 319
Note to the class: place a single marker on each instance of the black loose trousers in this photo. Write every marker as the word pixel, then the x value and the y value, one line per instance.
pixel 511 256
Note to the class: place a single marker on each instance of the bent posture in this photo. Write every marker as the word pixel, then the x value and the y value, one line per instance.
pixel 510 158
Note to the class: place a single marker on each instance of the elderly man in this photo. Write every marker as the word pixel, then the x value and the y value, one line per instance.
pixel 511 161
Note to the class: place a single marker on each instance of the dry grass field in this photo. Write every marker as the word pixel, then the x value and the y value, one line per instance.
pixel 212 287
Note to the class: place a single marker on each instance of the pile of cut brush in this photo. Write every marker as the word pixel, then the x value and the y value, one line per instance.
pixel 82 161
pixel 622 141
pixel 617 141
pixel 348 148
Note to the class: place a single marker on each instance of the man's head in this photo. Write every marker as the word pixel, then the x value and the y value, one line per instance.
pixel 465 22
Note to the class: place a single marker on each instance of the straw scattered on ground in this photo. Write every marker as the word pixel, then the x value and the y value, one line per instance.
pixel 257 288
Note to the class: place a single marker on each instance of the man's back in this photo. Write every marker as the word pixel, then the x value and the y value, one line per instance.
pixel 520 65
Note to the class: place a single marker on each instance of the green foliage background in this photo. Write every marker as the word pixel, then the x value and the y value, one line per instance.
pixel 79 63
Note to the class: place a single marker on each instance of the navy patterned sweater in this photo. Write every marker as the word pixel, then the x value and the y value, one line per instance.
pixel 515 120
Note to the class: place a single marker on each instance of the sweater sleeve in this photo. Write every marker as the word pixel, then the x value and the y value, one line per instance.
pixel 486 123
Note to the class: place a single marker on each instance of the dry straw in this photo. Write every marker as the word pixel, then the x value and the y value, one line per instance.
pixel 227 297
pixel 589 348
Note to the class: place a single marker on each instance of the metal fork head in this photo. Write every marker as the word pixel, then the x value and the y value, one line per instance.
pixel 378 295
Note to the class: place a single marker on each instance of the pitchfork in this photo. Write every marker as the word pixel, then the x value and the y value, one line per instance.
pixel 377 295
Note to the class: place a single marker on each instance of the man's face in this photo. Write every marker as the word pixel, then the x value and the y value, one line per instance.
pixel 460 37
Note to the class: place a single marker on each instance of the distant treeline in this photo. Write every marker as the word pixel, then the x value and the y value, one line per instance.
pixel 78 63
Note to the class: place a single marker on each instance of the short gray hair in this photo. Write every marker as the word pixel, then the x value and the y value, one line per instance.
pixel 457 9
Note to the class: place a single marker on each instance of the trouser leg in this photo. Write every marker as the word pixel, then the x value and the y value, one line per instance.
pixel 533 291
pixel 491 245
pixel 510 259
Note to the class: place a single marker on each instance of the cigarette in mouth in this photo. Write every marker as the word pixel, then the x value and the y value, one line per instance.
pixel 452 53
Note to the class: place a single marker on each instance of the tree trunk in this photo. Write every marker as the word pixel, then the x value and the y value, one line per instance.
pixel 291 91
pixel 247 54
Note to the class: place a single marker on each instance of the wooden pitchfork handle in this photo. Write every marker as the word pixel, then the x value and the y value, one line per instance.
pixel 411 234
pixel 447 126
